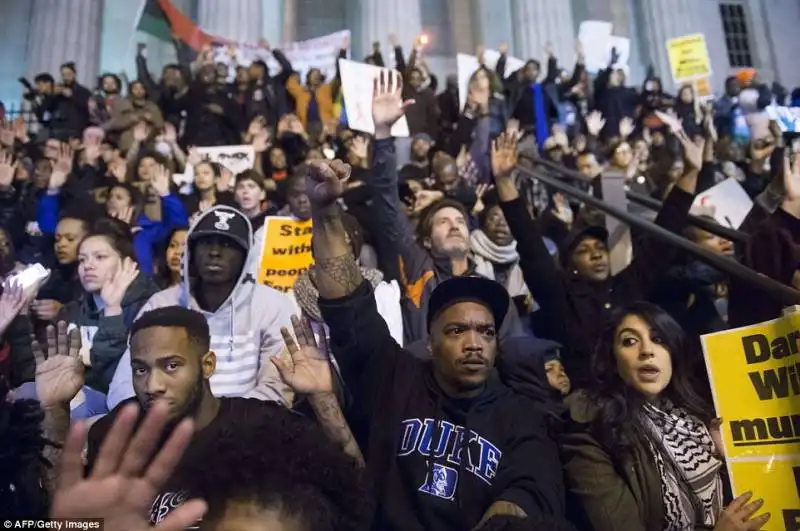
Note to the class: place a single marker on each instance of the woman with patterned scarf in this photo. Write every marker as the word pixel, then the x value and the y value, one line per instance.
pixel 641 450
pixel 387 295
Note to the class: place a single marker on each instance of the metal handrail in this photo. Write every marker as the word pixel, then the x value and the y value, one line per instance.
pixel 785 294
pixel 733 235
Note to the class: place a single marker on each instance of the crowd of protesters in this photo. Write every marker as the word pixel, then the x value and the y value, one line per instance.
pixel 461 355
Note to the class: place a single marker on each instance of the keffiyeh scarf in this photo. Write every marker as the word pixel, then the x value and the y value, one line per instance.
pixel 684 454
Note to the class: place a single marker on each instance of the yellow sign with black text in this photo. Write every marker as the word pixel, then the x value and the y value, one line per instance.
pixel 287 252
pixel 688 58
pixel 755 380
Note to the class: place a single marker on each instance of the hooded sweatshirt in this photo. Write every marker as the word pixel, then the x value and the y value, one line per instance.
pixel 104 339
pixel 245 332
pixel 493 447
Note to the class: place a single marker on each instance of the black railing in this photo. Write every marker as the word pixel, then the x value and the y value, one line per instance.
pixel 645 201
pixel 781 292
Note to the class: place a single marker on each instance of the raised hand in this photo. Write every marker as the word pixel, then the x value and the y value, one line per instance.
pixel 226 180
pixel 160 180
pixel 626 127
pixel 595 123
pixel 113 290
pixel 562 211
pixel 549 51
pixel 7 135
pixel 480 191
pixel 326 182
pixel 504 155
pixel 62 167
pixel 360 147
pixel 260 141
pixel 257 125
pixel 120 490
pixel 20 131
pixel 503 48
pixel 307 369
pixel 140 132
pixel 7 169
pixel 791 179
pixel 170 133
pixel 387 102
pixel 59 371
pixel 11 302
pixel 671 120
pixel 119 170
pixel 125 215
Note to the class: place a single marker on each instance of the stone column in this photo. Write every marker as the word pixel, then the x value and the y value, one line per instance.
pixel 379 18
pixel 494 24
pixel 272 19
pixel 537 22
pixel 65 31
pixel 16 17
pixel 238 20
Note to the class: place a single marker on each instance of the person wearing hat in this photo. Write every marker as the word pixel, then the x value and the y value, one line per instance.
pixel 244 317
pixel 576 299
pixel 447 443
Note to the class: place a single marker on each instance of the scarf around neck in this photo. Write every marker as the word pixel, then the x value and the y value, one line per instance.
pixel 487 254
pixel 486 248
pixel 684 454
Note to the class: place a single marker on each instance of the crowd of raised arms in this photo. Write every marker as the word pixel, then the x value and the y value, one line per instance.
pixel 459 357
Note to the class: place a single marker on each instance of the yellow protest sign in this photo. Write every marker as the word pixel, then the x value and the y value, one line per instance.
pixel 287 252
pixel 688 58
pixel 755 380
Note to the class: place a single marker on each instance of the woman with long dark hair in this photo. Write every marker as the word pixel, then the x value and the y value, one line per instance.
pixel 642 450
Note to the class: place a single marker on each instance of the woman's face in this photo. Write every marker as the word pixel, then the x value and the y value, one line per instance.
pixel 204 176
pixel 590 259
pixel 118 200
pixel 277 159
pixel 496 227
pixel 69 233
pixel 643 361
pixel 686 95
pixel 177 244
pixel 98 262
pixel 623 155
pixel 145 170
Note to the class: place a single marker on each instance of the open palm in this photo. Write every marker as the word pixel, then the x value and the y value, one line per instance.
pixel 387 99
pixel 119 489
pixel 504 155
pixel 59 371
pixel 307 369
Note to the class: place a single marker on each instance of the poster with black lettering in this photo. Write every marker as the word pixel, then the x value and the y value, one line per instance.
pixel 235 158
pixel 755 380
pixel 287 252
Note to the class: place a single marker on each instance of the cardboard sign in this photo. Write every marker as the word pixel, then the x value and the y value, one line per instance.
pixel 357 88
pixel 286 252
pixel 468 64
pixel 752 371
pixel 688 58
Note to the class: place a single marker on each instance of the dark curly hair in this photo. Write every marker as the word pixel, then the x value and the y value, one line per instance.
pixel 281 460
pixel 617 426
pixel 22 462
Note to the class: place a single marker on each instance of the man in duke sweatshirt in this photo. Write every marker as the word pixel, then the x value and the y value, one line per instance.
pixel 244 317
pixel 447 443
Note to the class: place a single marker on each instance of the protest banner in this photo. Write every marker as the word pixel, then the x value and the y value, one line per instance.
pixel 755 382
pixel 598 42
pixel 320 53
pixel 688 58
pixel 286 252
pixel 235 158
pixel 357 88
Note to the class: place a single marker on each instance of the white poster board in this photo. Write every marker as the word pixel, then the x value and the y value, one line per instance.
pixel 728 201
pixel 597 41
pixel 357 89
pixel 236 158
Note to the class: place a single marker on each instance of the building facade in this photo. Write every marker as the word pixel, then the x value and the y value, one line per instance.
pixel 98 35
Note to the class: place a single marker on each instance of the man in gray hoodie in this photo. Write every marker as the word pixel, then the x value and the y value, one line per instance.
pixel 244 317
